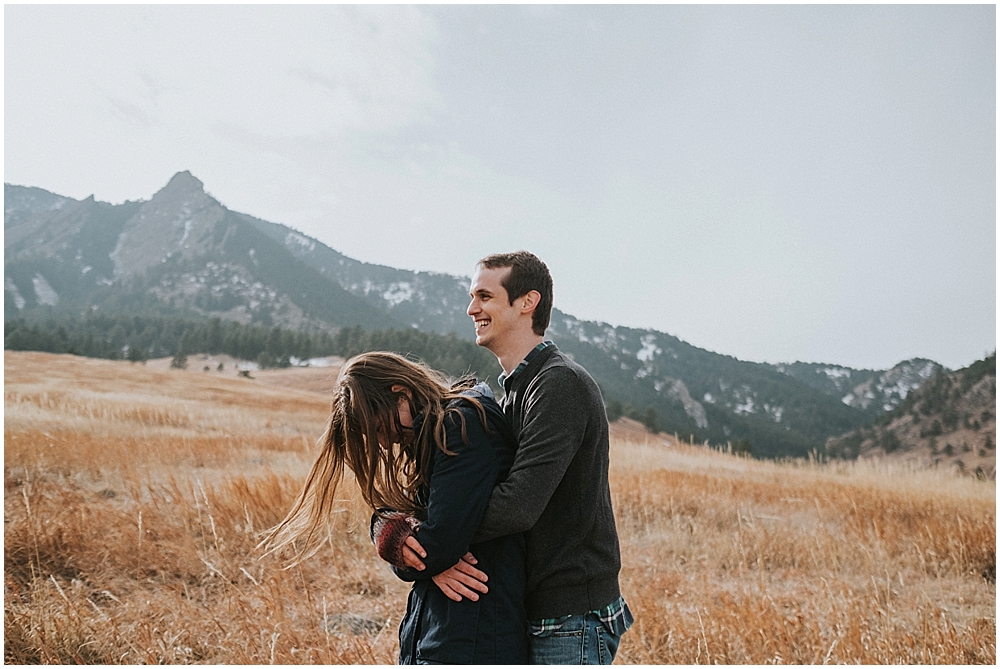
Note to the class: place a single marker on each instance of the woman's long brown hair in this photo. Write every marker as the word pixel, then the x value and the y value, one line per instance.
pixel 365 409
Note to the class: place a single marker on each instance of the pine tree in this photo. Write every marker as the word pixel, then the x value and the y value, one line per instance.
pixel 180 360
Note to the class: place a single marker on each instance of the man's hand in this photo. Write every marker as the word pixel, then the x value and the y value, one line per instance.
pixel 462 580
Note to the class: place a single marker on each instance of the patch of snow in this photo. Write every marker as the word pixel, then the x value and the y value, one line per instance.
pixel 746 407
pixel 304 242
pixel 398 292
pixel 44 292
pixel 649 348
pixel 927 370
pixel 320 362
pixel 188 224
pixel 836 372
pixel 708 398
pixel 85 269
pixel 9 286
pixel 848 399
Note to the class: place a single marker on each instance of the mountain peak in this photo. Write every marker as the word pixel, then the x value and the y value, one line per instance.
pixel 183 183
pixel 176 222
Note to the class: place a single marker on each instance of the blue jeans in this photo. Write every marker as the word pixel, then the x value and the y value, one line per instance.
pixel 583 639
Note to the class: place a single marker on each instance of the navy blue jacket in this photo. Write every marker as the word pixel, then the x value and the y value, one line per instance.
pixel 492 630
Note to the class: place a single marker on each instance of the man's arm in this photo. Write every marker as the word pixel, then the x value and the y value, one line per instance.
pixel 392 534
pixel 459 492
pixel 555 420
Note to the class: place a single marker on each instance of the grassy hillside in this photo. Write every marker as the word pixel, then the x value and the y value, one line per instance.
pixel 134 497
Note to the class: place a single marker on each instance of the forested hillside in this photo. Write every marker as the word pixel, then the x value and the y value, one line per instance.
pixel 183 257
pixel 948 421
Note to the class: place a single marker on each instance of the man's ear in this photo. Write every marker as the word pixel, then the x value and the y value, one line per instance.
pixel 529 301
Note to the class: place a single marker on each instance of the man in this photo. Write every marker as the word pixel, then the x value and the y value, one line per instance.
pixel 557 491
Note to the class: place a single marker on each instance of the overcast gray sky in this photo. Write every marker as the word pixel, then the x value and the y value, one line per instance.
pixel 776 183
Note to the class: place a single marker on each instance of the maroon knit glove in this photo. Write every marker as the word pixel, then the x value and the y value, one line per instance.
pixel 389 533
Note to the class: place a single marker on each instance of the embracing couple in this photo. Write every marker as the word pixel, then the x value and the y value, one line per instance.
pixel 499 513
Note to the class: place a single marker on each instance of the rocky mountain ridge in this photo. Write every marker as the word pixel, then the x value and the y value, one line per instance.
pixel 948 421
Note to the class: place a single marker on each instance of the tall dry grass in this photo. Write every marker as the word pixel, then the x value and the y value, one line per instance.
pixel 134 498
pixel 734 561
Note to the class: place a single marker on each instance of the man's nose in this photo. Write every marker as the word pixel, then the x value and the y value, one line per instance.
pixel 473 307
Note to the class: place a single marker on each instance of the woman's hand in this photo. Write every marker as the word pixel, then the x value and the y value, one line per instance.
pixel 390 533
pixel 412 553
pixel 462 580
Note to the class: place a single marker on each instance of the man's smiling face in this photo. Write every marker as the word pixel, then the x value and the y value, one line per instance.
pixel 495 317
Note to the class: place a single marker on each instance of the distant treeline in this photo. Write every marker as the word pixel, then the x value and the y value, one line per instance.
pixel 447 353
pixel 138 338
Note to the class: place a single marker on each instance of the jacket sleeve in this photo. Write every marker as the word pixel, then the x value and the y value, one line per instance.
pixel 459 490
pixel 555 421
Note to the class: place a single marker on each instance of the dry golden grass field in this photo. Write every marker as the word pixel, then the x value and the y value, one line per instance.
pixel 134 497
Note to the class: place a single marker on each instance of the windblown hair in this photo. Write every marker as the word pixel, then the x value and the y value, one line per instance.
pixel 527 272
pixel 365 411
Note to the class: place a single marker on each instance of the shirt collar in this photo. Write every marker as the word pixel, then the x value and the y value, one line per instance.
pixel 504 378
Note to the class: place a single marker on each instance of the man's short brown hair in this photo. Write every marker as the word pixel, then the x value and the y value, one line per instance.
pixel 527 273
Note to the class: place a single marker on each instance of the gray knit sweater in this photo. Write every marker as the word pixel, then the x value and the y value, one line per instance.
pixel 557 490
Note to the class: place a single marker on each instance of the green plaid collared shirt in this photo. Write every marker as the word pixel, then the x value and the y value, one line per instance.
pixel 616 618
pixel 503 378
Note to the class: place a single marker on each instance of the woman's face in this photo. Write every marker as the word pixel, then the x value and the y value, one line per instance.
pixel 405 416
pixel 405 419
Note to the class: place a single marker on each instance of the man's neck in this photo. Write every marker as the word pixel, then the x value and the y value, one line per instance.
pixel 512 355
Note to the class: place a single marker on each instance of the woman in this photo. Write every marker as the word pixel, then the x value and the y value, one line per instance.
pixel 422 448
